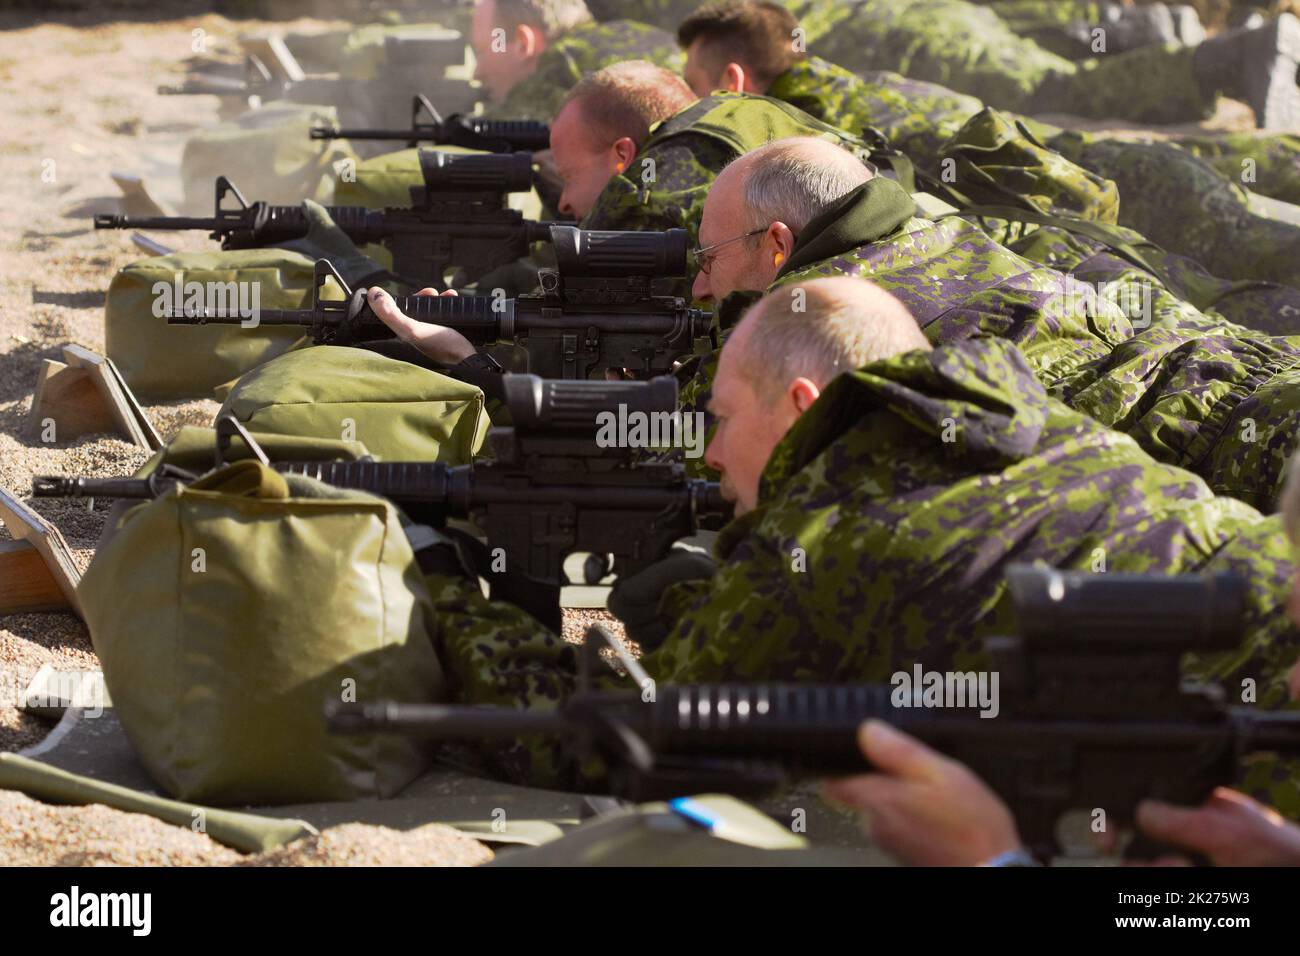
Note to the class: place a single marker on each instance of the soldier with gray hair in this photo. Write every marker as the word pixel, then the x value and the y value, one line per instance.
pixel 958 282
pixel 1170 196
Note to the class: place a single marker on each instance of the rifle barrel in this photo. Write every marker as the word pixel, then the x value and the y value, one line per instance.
pixel 401 135
pixel 441 721
pixel 173 223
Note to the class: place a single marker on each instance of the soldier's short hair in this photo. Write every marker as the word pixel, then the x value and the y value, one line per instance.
pixel 1291 500
pixel 551 17
pixel 626 99
pixel 821 327
pixel 794 180
pixel 756 33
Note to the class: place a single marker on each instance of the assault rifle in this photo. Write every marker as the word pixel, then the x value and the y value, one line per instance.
pixel 428 58
pixel 550 489
pixel 471 132
pixel 1093 711
pixel 460 218
pixel 605 306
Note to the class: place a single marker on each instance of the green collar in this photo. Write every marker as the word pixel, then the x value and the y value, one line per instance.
pixel 872 211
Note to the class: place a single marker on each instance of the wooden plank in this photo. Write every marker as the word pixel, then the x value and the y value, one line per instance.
pixel 70 397
pixel 127 414
pixel 136 199
pixel 25 525
pixel 151 436
pixel 27 584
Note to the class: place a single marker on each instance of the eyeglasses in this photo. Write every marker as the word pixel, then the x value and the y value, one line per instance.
pixel 705 255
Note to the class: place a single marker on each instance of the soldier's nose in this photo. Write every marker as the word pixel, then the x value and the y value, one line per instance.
pixel 700 288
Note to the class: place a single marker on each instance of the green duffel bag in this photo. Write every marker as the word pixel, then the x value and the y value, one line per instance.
pixel 268 154
pixel 194 450
pixel 161 361
pixel 995 160
pixel 229 613
pixel 399 411
pixel 164 361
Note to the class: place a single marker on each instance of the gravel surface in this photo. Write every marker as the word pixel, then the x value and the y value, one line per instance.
pixel 56 272
pixel 359 844
pixel 38 834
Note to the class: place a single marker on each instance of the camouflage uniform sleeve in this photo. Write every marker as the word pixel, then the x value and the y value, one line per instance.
pixel 745 623
pixel 495 653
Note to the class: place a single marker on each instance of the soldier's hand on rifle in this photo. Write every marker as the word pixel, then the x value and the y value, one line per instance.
pixel 923 807
pixel 635 599
pixel 1229 829
pixel 445 346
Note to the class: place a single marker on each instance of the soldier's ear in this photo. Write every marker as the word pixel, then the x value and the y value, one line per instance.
pixel 734 78
pixel 531 42
pixel 624 153
pixel 803 392
pixel 782 240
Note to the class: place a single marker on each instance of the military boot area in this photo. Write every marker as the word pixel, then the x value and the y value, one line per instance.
pixel 650 433
pixel 1260 65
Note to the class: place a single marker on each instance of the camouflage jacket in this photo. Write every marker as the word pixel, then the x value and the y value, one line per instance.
pixel 668 181
pixel 583 50
pixel 915 116
pixel 1192 390
pixel 886 519
pixel 969 48
pixel 1168 193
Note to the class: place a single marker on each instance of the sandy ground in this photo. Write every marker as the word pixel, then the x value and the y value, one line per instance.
pixel 80 101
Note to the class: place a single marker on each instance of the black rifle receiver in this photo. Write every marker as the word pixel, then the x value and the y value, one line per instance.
pixel 460 218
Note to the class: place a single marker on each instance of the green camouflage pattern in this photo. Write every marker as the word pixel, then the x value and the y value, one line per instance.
pixel 885 523
pixel 1260 306
pixel 970 49
pixel 666 186
pixel 1275 157
pixel 1193 391
pixel 915 116
pixel 997 159
pixel 1168 194
pixel 583 50
pixel 1190 208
